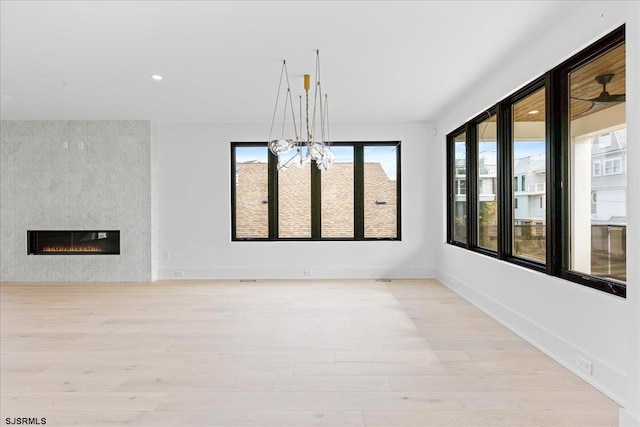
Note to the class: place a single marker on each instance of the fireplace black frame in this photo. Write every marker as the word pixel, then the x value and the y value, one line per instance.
pixel 66 242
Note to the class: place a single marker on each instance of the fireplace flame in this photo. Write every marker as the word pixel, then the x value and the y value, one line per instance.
pixel 82 248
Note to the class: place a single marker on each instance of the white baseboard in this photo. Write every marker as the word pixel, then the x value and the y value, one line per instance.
pixel 296 273
pixel 606 379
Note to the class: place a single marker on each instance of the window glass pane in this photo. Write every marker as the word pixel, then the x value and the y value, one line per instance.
pixel 294 201
pixel 251 187
pixel 598 194
pixel 487 184
pixel 459 207
pixel 529 214
pixel 380 192
pixel 337 195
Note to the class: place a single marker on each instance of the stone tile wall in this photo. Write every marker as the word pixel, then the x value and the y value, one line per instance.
pixel 76 175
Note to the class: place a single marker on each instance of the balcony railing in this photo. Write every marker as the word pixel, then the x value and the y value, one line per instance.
pixel 608 246
pixel 533 188
pixel 530 230
pixel 609 251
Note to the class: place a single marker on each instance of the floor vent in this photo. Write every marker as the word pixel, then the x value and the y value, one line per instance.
pixel 247 280
pixel 383 280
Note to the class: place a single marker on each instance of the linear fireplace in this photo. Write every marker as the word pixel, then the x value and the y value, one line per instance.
pixel 73 242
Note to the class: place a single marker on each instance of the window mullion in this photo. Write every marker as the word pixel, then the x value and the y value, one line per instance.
pixel 505 171
pixel 273 196
pixel 358 192
pixel 557 235
pixel 316 202
pixel 398 192
pixel 472 185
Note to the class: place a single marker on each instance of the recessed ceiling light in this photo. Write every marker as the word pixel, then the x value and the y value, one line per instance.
pixel 5 99
pixel 156 77
pixel 533 112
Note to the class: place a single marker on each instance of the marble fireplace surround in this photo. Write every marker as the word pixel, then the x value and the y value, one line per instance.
pixel 77 175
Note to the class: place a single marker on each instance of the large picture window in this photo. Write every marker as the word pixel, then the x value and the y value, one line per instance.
pixel 358 198
pixel 550 184
pixel 597 135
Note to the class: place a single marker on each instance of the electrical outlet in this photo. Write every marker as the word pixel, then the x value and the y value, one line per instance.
pixel 166 255
pixel 585 365
pixel 179 273
pixel 308 273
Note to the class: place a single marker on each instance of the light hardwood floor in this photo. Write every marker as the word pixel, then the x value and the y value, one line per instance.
pixel 276 353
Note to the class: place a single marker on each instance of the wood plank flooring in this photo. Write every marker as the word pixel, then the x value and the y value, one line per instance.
pixel 275 353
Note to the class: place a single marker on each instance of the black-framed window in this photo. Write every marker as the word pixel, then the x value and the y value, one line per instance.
pixel 560 181
pixel 595 243
pixel 358 198
pixel 486 156
pixel 527 159
pixel 457 184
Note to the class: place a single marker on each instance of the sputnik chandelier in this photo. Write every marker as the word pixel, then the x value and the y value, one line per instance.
pixel 303 148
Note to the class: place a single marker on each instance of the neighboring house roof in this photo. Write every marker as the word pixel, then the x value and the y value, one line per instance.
pixel 608 142
pixel 294 201
pixel 534 164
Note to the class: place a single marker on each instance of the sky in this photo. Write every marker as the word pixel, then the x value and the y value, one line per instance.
pixel 385 155
pixel 522 149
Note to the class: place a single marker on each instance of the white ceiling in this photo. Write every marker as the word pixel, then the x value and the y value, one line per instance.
pixel 381 61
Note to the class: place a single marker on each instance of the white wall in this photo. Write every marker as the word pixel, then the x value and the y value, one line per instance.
pixel 630 416
pixel 564 319
pixel 195 213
